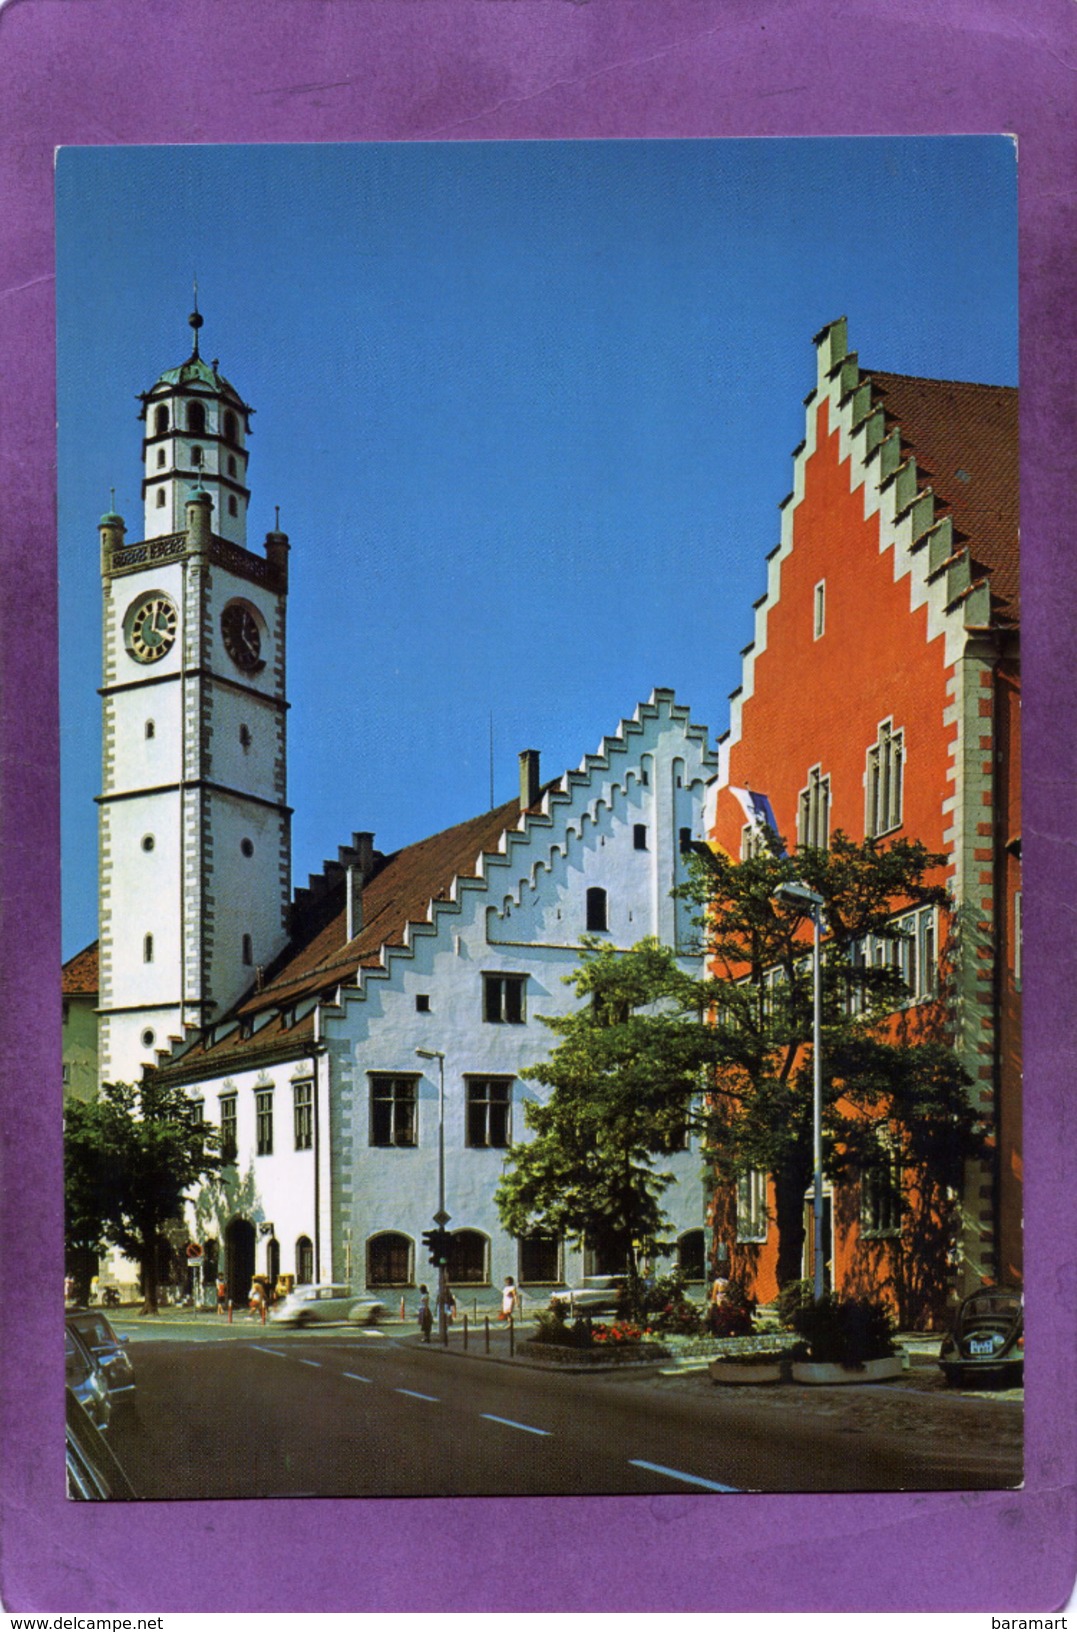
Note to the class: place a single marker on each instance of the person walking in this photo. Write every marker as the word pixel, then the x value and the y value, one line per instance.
pixel 426 1317
pixel 222 1294
pixel 510 1299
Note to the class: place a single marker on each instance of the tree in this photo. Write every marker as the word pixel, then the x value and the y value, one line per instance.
pixel 623 1077
pixel 894 1094
pixel 130 1156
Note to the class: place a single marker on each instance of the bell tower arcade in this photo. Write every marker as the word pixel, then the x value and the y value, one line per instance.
pixel 194 826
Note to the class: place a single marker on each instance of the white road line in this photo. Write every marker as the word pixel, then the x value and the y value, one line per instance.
pixel 303 1362
pixel 410 1391
pixel 357 1379
pixel 263 1350
pixel 685 1478
pixel 508 1423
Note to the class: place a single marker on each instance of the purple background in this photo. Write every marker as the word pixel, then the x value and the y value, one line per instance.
pixel 103 71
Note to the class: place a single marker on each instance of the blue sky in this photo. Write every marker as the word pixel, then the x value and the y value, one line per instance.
pixel 528 411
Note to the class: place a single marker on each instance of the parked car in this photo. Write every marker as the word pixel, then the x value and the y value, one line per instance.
pixel 308 1304
pixel 85 1379
pixel 986 1342
pixel 93 1473
pixel 108 1350
pixel 599 1295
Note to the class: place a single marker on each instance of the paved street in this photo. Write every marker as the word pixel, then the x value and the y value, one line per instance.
pixel 252 1411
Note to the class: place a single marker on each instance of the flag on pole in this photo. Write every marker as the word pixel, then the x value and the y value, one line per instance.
pixel 758 814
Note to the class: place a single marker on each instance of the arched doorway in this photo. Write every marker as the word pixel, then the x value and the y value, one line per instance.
pixel 273 1261
pixel 239 1259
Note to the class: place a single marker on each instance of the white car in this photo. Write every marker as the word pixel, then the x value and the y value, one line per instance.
pixel 308 1304
pixel 599 1295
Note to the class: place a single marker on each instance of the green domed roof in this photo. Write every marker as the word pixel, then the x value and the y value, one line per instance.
pixel 196 371
pixel 110 519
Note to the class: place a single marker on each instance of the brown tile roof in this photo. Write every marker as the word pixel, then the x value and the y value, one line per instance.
pixel 965 440
pixel 79 974
pixel 318 958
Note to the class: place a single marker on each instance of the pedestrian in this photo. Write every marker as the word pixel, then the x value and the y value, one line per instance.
pixel 510 1299
pixel 222 1294
pixel 449 1304
pixel 718 1291
pixel 257 1299
pixel 426 1318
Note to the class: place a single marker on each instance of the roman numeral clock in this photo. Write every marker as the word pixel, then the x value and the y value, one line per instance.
pixel 194 824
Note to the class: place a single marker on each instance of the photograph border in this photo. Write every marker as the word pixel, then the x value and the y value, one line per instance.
pixel 120 71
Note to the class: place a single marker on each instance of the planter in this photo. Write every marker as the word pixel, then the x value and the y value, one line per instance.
pixel 872 1371
pixel 601 1354
pixel 761 1369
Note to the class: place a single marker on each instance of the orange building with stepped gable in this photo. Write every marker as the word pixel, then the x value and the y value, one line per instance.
pixel 881 695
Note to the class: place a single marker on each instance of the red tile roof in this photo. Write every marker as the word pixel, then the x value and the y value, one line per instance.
pixel 965 440
pixel 79 974
pixel 319 958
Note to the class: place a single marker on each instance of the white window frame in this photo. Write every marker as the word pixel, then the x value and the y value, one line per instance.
pixel 813 812
pixel 477 1097
pixel 884 781
pixel 400 1091
pixel 752 1218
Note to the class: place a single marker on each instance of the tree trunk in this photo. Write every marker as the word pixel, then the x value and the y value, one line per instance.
pixel 148 1262
pixel 789 1186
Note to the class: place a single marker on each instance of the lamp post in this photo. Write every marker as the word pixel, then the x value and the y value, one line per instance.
pixel 441 1217
pixel 811 905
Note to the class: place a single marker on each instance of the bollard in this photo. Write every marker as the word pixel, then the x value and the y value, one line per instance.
pixel 263 1312
pixel 512 1337
pixel 486 1318
pixel 229 1311
pixel 465 1328
pixel 403 1311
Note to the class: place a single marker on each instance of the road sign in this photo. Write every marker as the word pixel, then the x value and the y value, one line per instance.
pixel 442 1218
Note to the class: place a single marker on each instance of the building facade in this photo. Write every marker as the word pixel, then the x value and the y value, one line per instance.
pixel 340 1040
pixel 881 696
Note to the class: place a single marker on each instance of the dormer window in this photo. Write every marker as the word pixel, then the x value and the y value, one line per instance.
pixel 196 418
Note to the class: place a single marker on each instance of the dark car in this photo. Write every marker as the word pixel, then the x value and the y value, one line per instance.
pixel 986 1342
pixel 85 1379
pixel 93 1473
pixel 108 1350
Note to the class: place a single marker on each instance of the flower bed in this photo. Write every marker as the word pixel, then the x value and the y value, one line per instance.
pixel 599 1354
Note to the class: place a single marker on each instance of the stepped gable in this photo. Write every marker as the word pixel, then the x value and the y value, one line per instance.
pixel 79 974
pixel 398 894
pixel 965 440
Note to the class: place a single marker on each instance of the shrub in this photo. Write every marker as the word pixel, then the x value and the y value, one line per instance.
pixel 553 1326
pixel 845 1331
pixel 794 1295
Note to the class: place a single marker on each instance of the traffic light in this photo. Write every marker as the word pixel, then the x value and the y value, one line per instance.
pixel 436 1243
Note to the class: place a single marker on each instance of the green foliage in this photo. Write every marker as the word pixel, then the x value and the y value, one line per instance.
pixel 130 1156
pixel 793 1297
pixel 622 1078
pixel 552 1325
pixel 845 1331
pixel 662 1304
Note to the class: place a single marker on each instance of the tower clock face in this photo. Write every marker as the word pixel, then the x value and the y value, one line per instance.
pixel 153 629
pixel 242 636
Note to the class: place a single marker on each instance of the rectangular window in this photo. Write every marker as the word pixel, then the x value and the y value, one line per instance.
pixel 263 1121
pixel 884 781
pixel 489 1104
pixel 304 1115
pixel 819 609
pixel 503 999
pixel 752 1205
pixel 540 1260
pixel 198 1110
pixel 228 1127
pixel 1017 939
pixel 393 1106
pixel 813 812
pixel 880 1197
pixel 639 835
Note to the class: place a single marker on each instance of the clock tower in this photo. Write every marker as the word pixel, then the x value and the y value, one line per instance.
pixel 194 825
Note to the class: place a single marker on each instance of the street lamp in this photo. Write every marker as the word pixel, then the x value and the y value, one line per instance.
pixel 810 905
pixel 441 1217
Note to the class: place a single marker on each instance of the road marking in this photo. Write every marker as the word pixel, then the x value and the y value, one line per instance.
pixel 508 1423
pixel 686 1478
pixel 263 1350
pixel 414 1396
pixel 357 1379
pixel 303 1362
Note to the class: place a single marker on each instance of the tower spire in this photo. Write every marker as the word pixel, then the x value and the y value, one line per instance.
pixel 196 319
